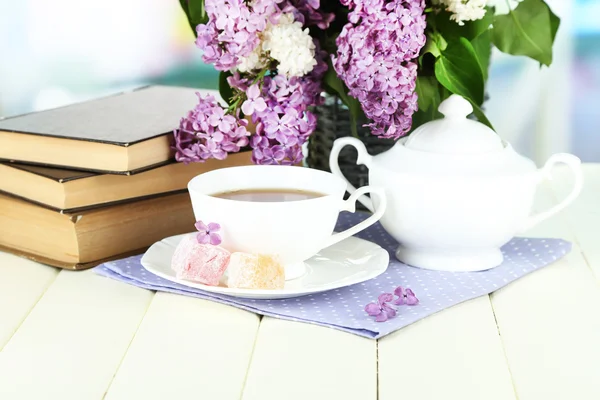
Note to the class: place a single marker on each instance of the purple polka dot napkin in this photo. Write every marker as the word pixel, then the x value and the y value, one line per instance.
pixel 344 308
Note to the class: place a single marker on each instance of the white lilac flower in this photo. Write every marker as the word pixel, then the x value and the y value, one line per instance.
pixel 291 46
pixel 464 10
pixel 254 61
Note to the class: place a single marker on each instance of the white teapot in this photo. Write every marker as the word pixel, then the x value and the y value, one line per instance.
pixel 455 191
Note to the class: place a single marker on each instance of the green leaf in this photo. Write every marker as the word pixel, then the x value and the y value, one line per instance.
pixel 459 71
pixel 435 44
pixel 428 92
pixel 554 25
pixel 184 7
pixel 483 47
pixel 195 12
pixel 528 30
pixel 470 29
pixel 224 88
pixel 481 115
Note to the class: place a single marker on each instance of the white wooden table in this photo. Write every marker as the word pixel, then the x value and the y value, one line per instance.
pixel 75 335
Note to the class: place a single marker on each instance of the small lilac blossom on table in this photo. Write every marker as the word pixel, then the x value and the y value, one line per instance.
pixel 381 310
pixel 208 233
pixel 405 296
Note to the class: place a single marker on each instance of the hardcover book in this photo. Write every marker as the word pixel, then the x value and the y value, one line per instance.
pixel 124 133
pixel 71 191
pixel 84 239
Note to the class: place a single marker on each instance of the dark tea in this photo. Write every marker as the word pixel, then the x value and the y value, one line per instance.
pixel 268 195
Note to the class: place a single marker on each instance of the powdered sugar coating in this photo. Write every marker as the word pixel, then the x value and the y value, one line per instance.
pixel 255 271
pixel 198 262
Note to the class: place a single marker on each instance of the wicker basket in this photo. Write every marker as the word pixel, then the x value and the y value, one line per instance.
pixel 333 122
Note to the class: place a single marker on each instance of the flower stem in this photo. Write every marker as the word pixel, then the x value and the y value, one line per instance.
pixel 240 96
pixel 353 128
pixel 260 75
pixel 234 105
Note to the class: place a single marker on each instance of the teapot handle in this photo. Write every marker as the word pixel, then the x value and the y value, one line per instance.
pixel 363 158
pixel 574 164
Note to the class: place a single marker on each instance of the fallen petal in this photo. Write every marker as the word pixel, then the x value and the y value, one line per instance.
pixel 411 299
pixel 382 317
pixel 389 311
pixel 372 309
pixel 399 291
pixel 399 301
pixel 385 298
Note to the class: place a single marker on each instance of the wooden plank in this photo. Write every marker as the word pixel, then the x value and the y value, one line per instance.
pixel 300 361
pixel 72 342
pixel 22 283
pixel 549 324
pixel 454 354
pixel 187 348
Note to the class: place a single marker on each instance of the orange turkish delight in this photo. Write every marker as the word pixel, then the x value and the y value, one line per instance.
pixel 255 271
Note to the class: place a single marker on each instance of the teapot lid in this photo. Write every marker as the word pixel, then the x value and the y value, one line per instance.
pixel 454 134
pixel 454 145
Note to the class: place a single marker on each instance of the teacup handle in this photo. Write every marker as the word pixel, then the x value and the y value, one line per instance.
pixel 363 158
pixel 350 205
pixel 574 164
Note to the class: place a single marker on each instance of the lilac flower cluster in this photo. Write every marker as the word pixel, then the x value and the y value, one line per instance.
pixel 208 132
pixel 276 103
pixel 232 31
pixel 280 111
pixel 234 26
pixel 374 56
pixel 374 53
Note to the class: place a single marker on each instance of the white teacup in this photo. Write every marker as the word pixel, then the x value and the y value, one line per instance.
pixel 295 230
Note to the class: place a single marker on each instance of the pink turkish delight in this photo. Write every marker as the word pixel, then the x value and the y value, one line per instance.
pixel 255 271
pixel 198 262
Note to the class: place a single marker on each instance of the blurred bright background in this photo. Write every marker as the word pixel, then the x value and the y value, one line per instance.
pixel 56 52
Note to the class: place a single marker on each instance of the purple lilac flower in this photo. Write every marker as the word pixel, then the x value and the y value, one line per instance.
pixel 254 101
pixel 285 124
pixel 208 132
pixel 232 30
pixel 208 233
pixel 278 105
pixel 374 56
pixel 381 310
pixel 405 296
pixel 234 26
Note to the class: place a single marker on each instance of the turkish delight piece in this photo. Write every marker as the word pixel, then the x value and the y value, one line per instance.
pixel 255 271
pixel 198 262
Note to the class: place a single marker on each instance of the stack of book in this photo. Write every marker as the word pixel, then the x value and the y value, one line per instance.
pixel 94 181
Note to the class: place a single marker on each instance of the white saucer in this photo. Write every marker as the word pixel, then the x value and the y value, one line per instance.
pixel 346 263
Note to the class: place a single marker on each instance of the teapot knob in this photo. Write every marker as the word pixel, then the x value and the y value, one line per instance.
pixel 455 106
